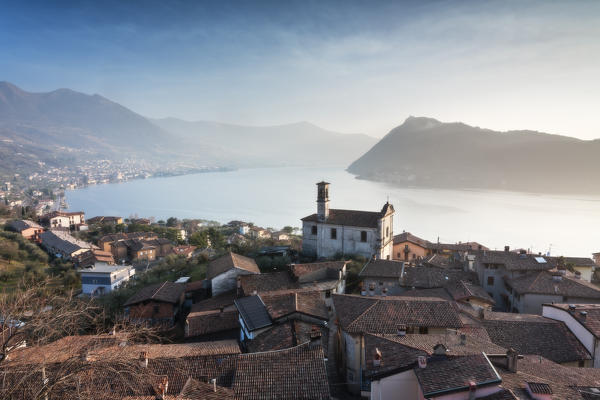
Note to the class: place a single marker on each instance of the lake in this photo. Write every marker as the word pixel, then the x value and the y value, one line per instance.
pixel 275 197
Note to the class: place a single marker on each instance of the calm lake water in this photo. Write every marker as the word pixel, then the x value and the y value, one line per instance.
pixel 275 197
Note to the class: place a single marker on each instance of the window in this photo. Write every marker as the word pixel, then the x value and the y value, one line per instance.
pixel 414 256
pixel 387 231
pixel 581 364
pixel 313 230
pixel 423 330
pixel 490 281
pixel 380 283
pixel 333 233
pixel 156 309
pixel 363 236
pixel 410 330
pixel 327 294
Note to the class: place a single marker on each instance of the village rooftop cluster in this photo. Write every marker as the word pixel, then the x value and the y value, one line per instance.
pixel 417 319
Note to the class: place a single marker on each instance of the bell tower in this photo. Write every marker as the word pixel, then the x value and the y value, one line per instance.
pixel 323 200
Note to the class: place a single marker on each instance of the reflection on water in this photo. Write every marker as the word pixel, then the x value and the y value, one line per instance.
pixel 275 197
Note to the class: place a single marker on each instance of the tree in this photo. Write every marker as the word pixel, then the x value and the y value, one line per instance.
pixel 199 239
pixel 9 250
pixel 172 222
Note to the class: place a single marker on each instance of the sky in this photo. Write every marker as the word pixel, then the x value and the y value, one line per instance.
pixel 348 66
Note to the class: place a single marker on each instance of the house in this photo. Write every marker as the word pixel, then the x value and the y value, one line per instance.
pixel 280 236
pixel 288 334
pixel 73 221
pixel 105 220
pixel 62 244
pixel 28 229
pixel 213 317
pixel 389 277
pixel 534 377
pixel 412 249
pixel 494 267
pixel 158 304
pixel 360 315
pixel 408 247
pixel 326 278
pixel 261 313
pixel 382 277
pixel 596 257
pixel 471 377
pixel 536 335
pixel 334 231
pixel 106 242
pixel 295 373
pixel 583 320
pixel 186 251
pixel 136 249
pixel 93 257
pixel 462 292
pixel 585 266
pixel 223 272
pixel 527 293
pixel 102 279
pixel 258 233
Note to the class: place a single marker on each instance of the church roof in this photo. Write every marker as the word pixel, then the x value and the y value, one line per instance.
pixel 363 219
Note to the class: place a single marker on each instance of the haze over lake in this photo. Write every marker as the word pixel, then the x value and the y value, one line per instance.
pixel 275 197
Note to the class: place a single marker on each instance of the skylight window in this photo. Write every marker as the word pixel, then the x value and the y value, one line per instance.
pixel 540 260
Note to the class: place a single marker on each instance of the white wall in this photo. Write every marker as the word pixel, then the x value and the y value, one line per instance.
pixel 400 386
pixel 585 337
pixel 227 280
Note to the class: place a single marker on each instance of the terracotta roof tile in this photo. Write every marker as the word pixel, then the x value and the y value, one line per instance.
pixel 296 373
pixel 168 292
pixel 541 336
pixel 385 314
pixel 361 219
pixel 228 261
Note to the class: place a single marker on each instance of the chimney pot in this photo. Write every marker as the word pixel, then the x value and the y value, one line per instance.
pixel 583 314
pixel 401 330
pixel 214 382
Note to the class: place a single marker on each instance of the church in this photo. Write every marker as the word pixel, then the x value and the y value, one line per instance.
pixel 333 231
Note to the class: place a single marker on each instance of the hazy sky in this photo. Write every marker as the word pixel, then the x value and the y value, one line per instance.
pixel 347 66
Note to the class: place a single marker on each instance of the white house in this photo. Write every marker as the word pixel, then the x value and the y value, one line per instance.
pixel 223 272
pixel 103 278
pixel 583 320
pixel 334 231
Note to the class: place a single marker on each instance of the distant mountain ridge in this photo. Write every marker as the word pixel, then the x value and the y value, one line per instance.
pixel 299 143
pixel 425 152
pixel 63 125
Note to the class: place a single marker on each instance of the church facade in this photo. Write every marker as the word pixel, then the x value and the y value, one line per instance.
pixel 349 232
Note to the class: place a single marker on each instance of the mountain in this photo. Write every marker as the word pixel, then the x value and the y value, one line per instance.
pixel 63 126
pixel 65 118
pixel 299 144
pixel 425 152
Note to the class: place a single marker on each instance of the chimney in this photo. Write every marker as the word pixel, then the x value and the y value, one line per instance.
pixel 401 330
pixel 322 200
pixel 377 358
pixel 214 383
pixel 557 276
pixel 511 360
pixel 363 292
pixel 472 390
pixel 507 248
pixel 422 360
pixel 522 251
pixel 577 274
pixel 384 291
pixel 572 308
pixel 144 359
pixel 163 386
pixel 583 315
pixel 315 336
pixel 440 350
